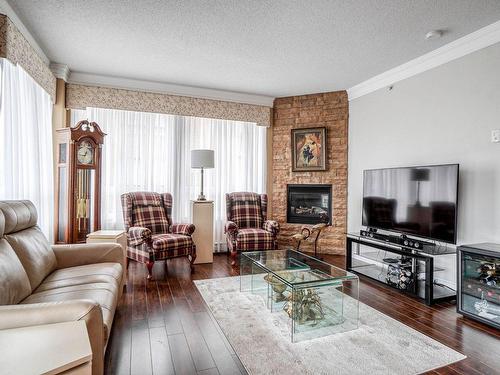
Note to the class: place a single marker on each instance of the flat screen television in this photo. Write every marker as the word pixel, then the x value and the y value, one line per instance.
pixel 419 201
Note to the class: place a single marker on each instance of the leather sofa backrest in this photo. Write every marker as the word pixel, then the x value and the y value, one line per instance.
pixel 18 215
pixel 27 240
pixel 14 283
pixel 2 224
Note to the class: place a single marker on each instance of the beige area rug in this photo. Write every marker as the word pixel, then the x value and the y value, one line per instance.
pixel 261 339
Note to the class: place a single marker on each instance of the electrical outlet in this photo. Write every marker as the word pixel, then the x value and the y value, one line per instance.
pixel 495 136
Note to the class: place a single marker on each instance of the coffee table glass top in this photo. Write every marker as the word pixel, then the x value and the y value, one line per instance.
pixel 295 268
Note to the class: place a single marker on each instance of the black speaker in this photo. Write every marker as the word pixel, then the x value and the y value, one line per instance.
pixel 410 242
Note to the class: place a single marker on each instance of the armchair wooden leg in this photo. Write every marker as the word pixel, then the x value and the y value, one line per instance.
pixel 149 265
pixel 191 261
pixel 233 257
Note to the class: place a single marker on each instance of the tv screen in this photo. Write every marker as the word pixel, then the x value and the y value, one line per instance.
pixel 418 201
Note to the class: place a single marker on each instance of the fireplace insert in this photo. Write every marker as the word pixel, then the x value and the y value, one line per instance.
pixel 309 204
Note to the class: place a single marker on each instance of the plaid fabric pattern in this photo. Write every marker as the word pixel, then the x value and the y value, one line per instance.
pixel 146 198
pixel 231 230
pixel 228 207
pixel 140 253
pixel 171 245
pixel 148 212
pixel 247 227
pixel 148 221
pixel 271 226
pixel 245 210
pixel 186 229
pixel 263 206
pixel 253 239
pixel 230 227
pixel 138 235
pixel 167 204
pixel 127 211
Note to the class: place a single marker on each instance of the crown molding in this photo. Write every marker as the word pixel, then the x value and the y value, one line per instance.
pixel 472 42
pixel 6 9
pixel 60 71
pixel 168 88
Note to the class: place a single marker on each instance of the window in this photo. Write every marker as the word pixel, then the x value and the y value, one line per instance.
pixel 26 154
pixel 151 152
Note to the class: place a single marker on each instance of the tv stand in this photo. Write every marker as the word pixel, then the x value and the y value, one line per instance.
pixel 419 273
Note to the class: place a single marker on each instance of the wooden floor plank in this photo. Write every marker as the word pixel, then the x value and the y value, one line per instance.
pixel 160 352
pixel 140 362
pixel 211 371
pixel 202 357
pixel 222 356
pixel 181 356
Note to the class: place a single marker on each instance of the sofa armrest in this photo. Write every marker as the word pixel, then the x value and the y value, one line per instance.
pixel 17 316
pixel 91 253
pixel 271 226
pixel 186 229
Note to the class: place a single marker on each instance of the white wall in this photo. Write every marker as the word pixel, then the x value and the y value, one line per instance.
pixel 444 115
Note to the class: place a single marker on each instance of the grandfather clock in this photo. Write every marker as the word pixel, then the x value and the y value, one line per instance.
pixel 78 181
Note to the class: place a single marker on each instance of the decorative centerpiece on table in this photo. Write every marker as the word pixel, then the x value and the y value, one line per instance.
pixel 278 286
pixel 307 306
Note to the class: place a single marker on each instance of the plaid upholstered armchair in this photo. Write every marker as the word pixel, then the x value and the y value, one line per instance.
pixel 247 227
pixel 151 236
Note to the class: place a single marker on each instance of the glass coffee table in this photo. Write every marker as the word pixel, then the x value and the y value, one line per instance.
pixel 319 298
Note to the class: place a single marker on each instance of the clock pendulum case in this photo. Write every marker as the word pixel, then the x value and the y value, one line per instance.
pixel 78 181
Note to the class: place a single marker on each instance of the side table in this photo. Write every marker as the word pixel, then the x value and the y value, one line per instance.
pixel 113 236
pixel 60 348
pixel 202 214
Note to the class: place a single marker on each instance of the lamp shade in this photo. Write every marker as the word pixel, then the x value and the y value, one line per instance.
pixel 202 158
pixel 420 174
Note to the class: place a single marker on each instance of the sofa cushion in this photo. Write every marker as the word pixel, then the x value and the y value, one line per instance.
pixel 255 239
pixel 14 283
pixel 34 252
pixel 171 245
pixel 87 274
pixel 105 294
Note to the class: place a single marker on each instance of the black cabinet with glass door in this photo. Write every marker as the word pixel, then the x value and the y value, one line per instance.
pixel 479 282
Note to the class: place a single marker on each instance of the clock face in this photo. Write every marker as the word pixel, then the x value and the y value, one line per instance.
pixel 85 153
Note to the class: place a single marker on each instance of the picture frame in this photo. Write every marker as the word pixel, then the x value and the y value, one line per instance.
pixel 308 149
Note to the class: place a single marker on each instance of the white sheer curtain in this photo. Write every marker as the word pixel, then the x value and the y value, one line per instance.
pixel 152 152
pixel 26 154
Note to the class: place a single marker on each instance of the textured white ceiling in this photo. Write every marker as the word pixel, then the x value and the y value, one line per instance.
pixel 267 47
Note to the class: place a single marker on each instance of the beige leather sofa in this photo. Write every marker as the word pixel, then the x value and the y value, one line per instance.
pixel 44 284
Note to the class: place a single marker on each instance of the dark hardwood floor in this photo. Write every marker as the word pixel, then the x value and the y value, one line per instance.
pixel 163 326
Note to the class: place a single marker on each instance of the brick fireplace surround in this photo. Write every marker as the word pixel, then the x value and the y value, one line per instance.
pixel 330 110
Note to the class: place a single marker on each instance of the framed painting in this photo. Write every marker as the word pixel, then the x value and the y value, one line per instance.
pixel 308 149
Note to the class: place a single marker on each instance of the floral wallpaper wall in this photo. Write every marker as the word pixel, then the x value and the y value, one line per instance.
pixel 16 48
pixel 82 96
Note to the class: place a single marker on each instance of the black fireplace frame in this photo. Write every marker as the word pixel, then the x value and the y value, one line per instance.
pixel 307 220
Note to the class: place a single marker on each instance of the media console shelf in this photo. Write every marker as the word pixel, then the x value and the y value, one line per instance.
pixel 424 274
